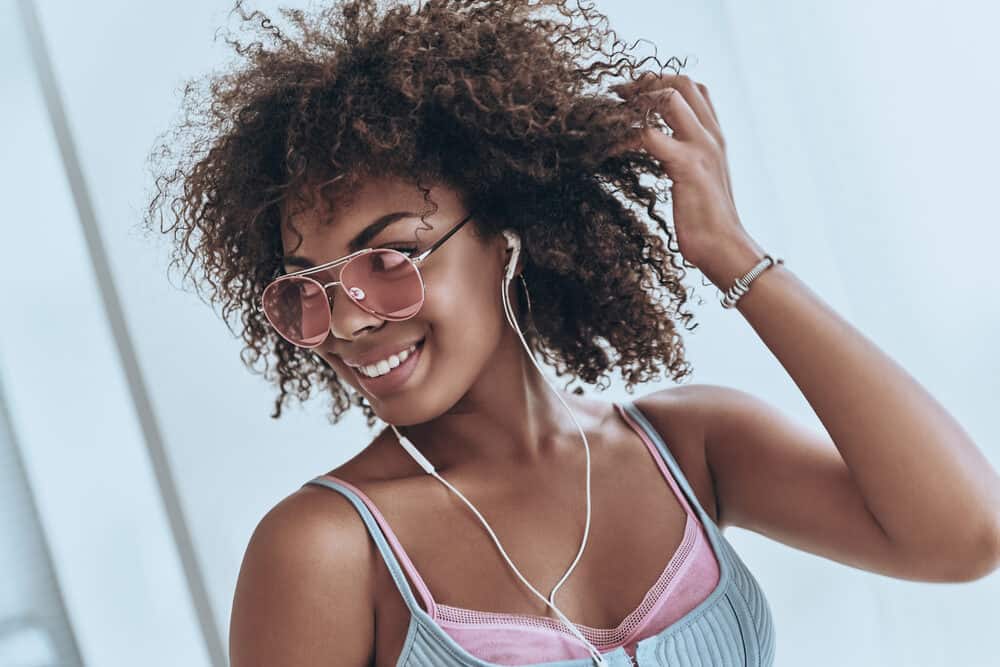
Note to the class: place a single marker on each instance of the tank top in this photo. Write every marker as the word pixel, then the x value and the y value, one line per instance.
pixel 706 608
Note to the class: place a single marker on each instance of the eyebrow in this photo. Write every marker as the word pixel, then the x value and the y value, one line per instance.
pixel 360 240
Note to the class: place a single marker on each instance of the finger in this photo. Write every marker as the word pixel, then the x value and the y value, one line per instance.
pixel 715 128
pixel 703 89
pixel 695 94
pixel 645 82
pixel 678 114
pixel 691 92
pixel 664 147
pixel 648 82
pixel 696 99
pixel 652 140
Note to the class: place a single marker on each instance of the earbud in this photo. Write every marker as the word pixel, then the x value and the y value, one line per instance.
pixel 513 243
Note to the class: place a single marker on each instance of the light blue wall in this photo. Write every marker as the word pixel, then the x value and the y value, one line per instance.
pixel 862 148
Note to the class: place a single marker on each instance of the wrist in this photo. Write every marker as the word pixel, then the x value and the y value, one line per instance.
pixel 729 261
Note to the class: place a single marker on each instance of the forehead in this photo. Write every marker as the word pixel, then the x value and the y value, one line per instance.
pixel 335 218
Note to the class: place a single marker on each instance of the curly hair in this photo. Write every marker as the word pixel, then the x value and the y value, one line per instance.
pixel 498 99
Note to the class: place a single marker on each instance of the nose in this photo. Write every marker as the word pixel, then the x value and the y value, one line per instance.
pixel 348 319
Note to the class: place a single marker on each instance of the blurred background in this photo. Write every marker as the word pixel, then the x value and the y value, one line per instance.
pixel 137 453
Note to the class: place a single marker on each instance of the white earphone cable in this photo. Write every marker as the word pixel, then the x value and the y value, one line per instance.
pixel 429 468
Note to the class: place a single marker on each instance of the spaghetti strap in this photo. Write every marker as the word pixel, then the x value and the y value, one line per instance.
pixel 383 536
pixel 658 459
pixel 632 411
pixel 398 561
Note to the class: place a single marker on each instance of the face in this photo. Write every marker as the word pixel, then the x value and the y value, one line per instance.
pixel 458 329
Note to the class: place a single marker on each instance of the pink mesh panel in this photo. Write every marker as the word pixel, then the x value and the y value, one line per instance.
pixel 599 637
pixel 516 639
pixel 513 639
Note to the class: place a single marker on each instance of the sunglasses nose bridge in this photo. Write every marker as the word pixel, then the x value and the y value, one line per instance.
pixel 356 314
pixel 354 293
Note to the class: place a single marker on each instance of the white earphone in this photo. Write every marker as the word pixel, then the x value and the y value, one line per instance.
pixel 514 244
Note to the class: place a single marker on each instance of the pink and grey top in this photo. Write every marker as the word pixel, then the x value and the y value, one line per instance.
pixel 731 625
pixel 688 577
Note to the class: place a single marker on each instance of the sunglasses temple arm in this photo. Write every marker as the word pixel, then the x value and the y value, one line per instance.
pixel 422 256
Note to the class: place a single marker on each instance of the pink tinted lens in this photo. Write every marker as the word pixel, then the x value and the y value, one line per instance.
pixel 384 282
pixel 298 308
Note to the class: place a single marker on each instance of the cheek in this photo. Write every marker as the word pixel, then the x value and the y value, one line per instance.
pixel 469 283
pixel 464 301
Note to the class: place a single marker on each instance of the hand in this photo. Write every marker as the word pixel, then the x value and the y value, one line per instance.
pixel 706 223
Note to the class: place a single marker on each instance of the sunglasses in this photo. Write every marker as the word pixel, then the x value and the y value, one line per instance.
pixel 381 281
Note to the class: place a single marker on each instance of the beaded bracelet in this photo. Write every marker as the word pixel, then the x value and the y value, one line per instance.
pixel 742 285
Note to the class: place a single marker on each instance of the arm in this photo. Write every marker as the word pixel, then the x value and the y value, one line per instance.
pixel 304 597
pixel 895 485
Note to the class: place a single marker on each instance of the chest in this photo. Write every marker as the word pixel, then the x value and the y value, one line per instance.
pixel 539 515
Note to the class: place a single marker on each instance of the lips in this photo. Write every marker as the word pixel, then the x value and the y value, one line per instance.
pixel 394 379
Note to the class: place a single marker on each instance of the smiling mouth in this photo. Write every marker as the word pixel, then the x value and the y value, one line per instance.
pixel 392 380
pixel 388 365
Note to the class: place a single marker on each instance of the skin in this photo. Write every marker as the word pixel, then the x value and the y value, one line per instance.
pixel 521 463
pixel 894 485
pixel 470 358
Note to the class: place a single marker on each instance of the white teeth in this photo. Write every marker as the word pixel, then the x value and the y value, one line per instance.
pixel 386 365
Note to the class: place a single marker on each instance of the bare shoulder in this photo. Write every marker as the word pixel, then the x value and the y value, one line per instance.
pixel 305 590
pixel 679 414
pixel 680 410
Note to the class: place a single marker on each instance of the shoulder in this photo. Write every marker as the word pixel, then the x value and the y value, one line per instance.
pixel 313 520
pixel 681 415
pixel 306 585
pixel 680 410
pixel 692 411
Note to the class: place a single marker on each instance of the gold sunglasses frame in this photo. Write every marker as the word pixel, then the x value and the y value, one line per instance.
pixel 416 260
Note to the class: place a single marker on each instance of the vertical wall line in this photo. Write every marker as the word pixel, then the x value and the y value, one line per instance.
pixel 57 625
pixel 123 341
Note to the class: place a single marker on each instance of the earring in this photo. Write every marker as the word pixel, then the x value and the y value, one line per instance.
pixel 527 298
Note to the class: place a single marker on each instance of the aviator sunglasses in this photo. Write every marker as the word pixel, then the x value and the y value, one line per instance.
pixel 382 281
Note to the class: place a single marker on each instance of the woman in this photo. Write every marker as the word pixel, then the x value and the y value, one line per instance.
pixel 471 140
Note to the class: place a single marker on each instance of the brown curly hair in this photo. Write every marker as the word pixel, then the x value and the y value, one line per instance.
pixel 499 100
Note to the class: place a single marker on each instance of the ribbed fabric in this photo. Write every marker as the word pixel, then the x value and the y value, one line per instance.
pixel 731 626
pixel 690 574
pixel 514 639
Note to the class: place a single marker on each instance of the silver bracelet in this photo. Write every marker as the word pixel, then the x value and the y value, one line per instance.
pixel 742 285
